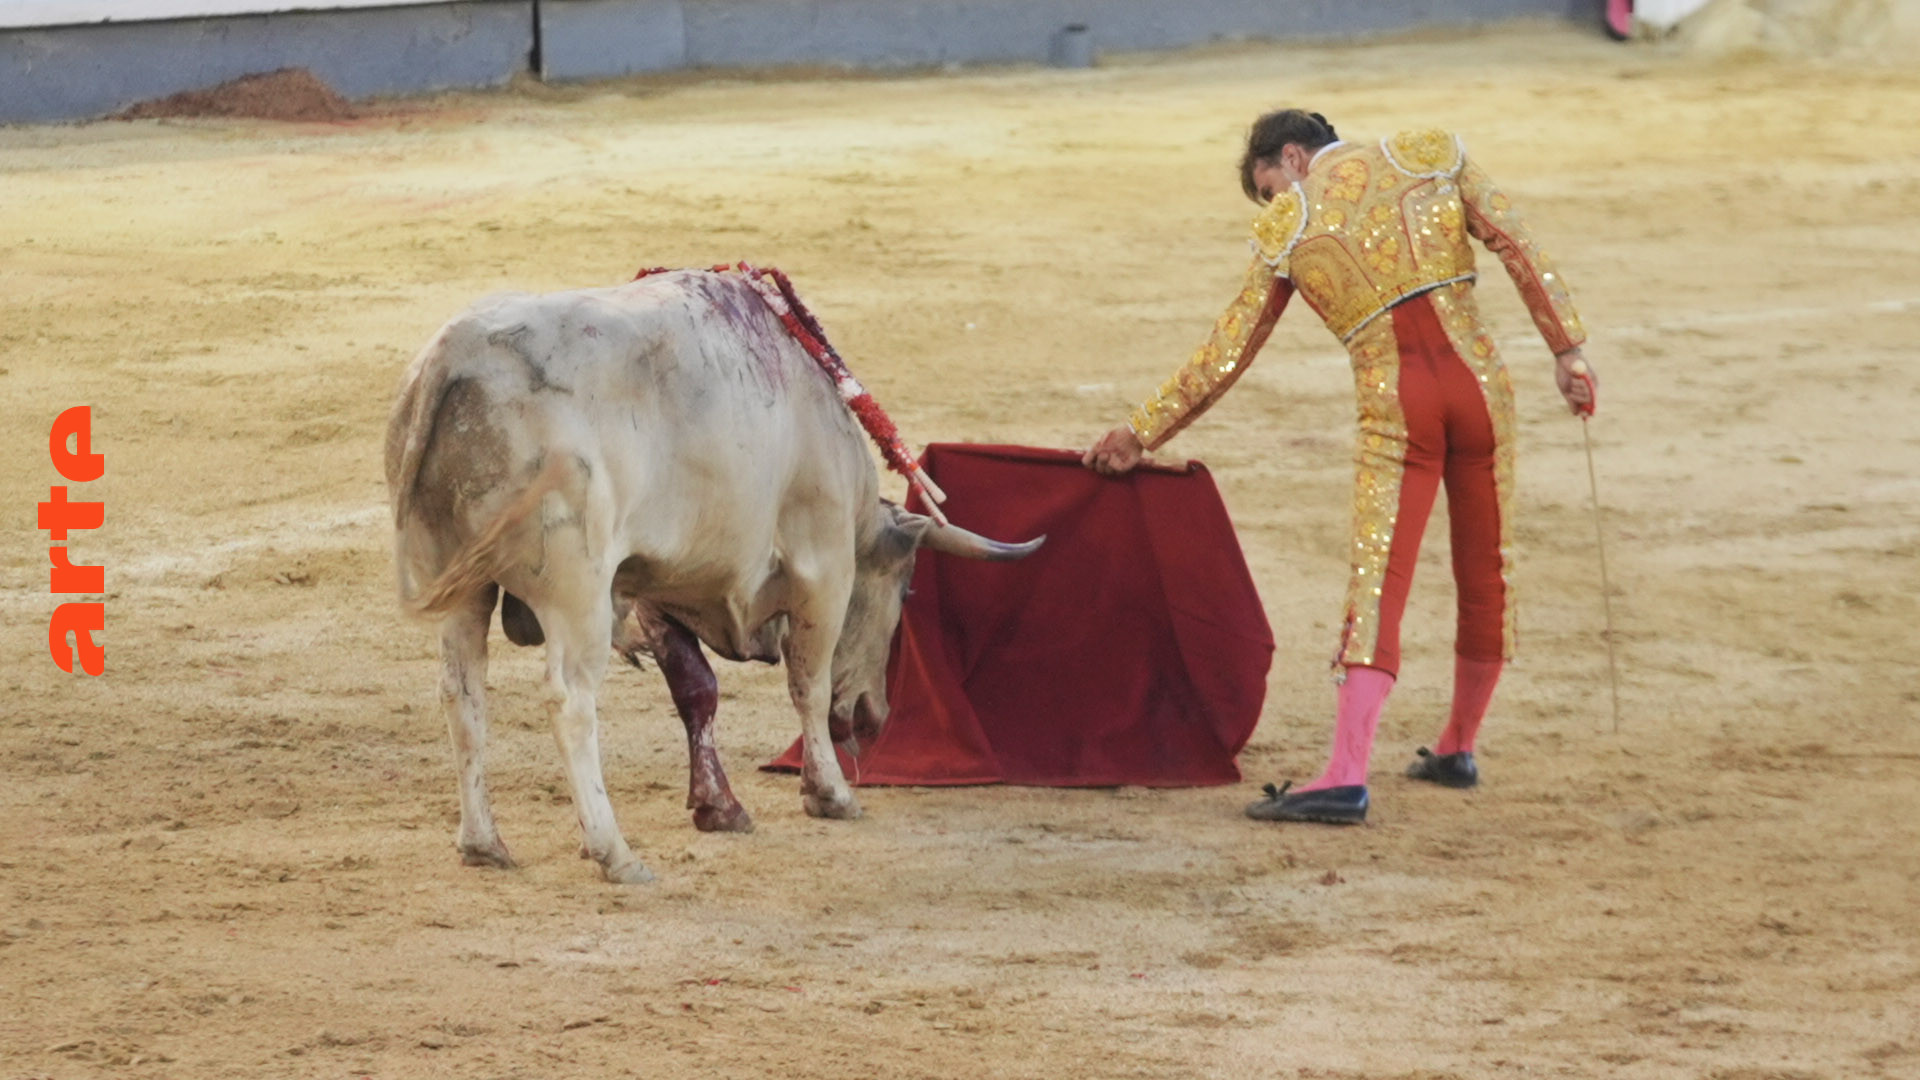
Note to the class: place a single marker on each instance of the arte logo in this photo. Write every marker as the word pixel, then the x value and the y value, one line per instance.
pixel 79 621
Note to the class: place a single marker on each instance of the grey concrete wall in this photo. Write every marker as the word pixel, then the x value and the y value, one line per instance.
pixel 76 72
pixel 888 33
pixel 605 39
pixel 66 73
pixel 589 39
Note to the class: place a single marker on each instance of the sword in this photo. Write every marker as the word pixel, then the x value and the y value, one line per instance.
pixel 1580 371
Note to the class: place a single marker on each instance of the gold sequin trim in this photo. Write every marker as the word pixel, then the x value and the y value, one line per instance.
pixel 1373 235
pixel 1492 219
pixel 1212 368
pixel 1430 153
pixel 1278 227
pixel 1380 462
pixel 1348 180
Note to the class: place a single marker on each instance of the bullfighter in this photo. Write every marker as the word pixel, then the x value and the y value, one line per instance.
pixel 1373 236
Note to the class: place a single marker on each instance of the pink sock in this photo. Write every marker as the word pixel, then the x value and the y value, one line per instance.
pixel 1620 17
pixel 1355 721
pixel 1473 683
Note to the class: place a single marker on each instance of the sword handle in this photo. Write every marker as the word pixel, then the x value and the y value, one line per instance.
pixel 1579 370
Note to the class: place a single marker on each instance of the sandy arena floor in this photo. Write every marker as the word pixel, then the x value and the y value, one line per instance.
pixel 231 856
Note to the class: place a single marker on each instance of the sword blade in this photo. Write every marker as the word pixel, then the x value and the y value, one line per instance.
pixel 1606 586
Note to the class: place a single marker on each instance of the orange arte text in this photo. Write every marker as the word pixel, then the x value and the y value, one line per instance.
pixel 58 516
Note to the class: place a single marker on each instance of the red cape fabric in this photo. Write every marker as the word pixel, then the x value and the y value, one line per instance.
pixel 1130 649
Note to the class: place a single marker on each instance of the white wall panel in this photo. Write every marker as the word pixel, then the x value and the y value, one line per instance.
pixel 16 14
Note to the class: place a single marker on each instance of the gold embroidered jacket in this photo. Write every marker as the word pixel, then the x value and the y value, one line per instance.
pixel 1371 225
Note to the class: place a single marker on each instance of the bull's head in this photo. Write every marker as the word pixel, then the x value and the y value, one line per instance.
pixel 882 571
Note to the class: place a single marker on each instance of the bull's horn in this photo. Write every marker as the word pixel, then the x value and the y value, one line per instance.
pixel 954 540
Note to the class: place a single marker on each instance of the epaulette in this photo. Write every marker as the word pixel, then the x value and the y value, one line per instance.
pixel 1428 153
pixel 1279 226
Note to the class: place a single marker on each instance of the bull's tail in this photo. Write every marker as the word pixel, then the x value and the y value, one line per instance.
pixel 488 555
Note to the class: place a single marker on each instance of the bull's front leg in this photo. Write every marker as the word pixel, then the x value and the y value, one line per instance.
pixel 812 633
pixel 696 695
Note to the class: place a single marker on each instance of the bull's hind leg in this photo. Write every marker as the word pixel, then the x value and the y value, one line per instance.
pixel 463 697
pixel 696 694
pixel 577 650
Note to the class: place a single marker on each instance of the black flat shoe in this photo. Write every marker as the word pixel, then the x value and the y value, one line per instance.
pixel 1330 806
pixel 1447 770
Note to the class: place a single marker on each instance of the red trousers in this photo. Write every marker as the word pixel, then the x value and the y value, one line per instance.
pixel 1450 440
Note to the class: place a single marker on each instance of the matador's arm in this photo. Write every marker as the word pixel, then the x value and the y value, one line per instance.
pixel 1216 364
pixel 1493 221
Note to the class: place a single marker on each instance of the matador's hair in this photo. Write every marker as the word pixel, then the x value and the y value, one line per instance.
pixel 1273 132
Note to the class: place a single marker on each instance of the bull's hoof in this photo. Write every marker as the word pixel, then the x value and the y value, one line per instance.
pixel 845 808
pixel 631 872
pixel 722 819
pixel 492 854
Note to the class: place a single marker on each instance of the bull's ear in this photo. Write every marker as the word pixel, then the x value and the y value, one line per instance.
pixel 903 534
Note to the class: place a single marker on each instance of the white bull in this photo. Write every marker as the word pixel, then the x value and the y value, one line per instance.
pixel 641 469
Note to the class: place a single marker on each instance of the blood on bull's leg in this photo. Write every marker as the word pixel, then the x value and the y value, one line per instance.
pixel 696 694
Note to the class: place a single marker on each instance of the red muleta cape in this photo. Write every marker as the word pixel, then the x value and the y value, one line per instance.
pixel 1130 649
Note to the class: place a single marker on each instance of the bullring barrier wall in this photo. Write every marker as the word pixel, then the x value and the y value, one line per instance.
pixel 79 59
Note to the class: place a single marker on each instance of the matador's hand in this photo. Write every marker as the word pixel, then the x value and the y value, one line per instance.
pixel 1118 451
pixel 1577 381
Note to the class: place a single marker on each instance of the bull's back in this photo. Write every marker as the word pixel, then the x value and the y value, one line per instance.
pixel 696 356
pixel 688 371
pixel 682 391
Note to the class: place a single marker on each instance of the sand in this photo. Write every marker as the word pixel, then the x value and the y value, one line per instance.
pixel 1858 31
pixel 231 856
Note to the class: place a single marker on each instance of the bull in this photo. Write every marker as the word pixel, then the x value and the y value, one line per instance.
pixel 641 470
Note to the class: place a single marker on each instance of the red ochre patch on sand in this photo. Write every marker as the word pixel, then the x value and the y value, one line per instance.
pixel 287 94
